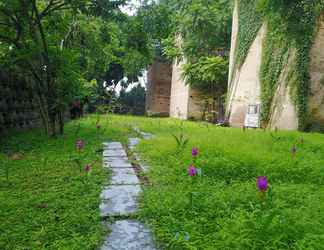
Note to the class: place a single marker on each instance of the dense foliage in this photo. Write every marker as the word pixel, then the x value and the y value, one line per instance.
pixel 197 34
pixel 59 46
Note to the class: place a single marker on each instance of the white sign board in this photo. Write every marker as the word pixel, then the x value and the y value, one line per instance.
pixel 252 118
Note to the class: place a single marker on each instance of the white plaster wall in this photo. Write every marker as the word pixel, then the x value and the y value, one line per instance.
pixel 283 113
pixel 179 94
pixel 245 85
pixel 316 102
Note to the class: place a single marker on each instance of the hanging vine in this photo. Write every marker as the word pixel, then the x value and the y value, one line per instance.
pixel 291 26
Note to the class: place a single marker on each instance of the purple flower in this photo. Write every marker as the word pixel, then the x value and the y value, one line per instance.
pixel 192 171
pixel 293 150
pixel 194 152
pixel 87 168
pixel 79 144
pixel 262 183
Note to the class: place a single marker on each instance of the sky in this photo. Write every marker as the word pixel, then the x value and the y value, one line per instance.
pixel 131 8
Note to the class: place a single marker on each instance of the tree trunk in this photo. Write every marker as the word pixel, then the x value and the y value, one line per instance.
pixel 61 122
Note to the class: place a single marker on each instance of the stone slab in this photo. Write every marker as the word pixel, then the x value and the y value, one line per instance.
pixel 124 179
pixel 147 136
pixel 129 235
pixel 127 177
pixel 114 153
pixel 119 200
pixel 132 142
pixel 117 164
pixel 123 171
pixel 112 159
pixel 112 145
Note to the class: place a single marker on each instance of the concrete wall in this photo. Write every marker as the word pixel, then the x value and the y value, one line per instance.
pixel 283 114
pixel 185 103
pixel 244 86
pixel 159 88
pixel 244 83
pixel 180 93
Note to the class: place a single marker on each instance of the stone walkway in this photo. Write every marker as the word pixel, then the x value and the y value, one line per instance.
pixel 120 199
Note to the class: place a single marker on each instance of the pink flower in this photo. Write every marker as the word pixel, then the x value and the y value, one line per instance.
pixel 192 171
pixel 262 183
pixel 194 152
pixel 79 144
pixel 87 168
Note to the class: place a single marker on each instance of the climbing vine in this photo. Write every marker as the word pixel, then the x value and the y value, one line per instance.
pixel 290 32
pixel 250 21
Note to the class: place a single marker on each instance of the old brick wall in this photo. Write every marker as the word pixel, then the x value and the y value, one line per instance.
pixel 17 107
pixel 159 88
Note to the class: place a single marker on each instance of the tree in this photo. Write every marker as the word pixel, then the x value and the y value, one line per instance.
pixel 60 45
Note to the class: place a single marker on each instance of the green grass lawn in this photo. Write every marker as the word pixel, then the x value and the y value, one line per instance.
pixel 47 203
pixel 226 210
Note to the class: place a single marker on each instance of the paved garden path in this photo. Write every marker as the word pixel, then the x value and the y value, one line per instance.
pixel 119 200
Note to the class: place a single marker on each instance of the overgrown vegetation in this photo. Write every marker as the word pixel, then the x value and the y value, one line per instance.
pixel 58 47
pixel 47 200
pixel 224 209
pixel 291 26
pixel 46 203
pixel 197 34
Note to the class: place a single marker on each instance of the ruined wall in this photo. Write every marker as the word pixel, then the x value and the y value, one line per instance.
pixel 245 85
pixel 316 102
pixel 17 107
pixel 283 114
pixel 179 94
pixel 185 103
pixel 159 88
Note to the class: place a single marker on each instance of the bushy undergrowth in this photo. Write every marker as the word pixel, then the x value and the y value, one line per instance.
pixel 228 211
pixel 47 203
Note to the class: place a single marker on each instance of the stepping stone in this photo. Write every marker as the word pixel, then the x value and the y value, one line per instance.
pixel 119 200
pixel 124 176
pixel 113 145
pixel 129 235
pixel 147 136
pixel 117 164
pixel 114 153
pixel 112 159
pixel 132 142
pixel 123 171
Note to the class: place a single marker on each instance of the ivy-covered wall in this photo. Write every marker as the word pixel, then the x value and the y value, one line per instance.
pixel 292 27
pixel 17 107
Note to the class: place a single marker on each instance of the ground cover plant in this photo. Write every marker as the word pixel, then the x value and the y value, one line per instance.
pixel 49 187
pixel 225 188
pixel 224 208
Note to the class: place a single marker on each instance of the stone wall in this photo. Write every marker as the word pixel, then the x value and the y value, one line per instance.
pixel 316 104
pixel 158 88
pixel 179 94
pixel 17 107
pixel 244 85
pixel 186 103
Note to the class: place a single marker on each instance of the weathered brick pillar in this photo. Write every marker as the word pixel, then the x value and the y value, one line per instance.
pixel 158 88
